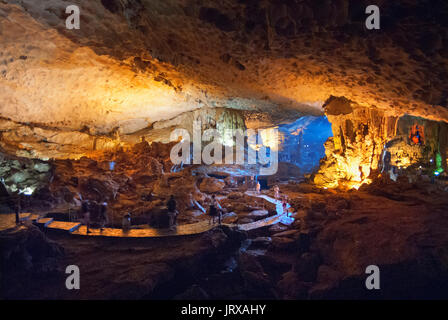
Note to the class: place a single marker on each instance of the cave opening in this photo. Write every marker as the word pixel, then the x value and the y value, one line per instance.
pixel 303 142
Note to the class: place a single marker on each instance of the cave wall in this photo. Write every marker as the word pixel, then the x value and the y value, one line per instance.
pixel 28 140
pixel 362 136
pixel 133 63
pixel 221 119
pixel 405 153
pixel 24 175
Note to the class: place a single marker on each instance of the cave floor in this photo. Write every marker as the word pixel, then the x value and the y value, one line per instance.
pixel 405 233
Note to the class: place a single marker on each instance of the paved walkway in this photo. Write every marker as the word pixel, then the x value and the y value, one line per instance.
pixel 181 230
pixel 77 229
pixel 8 220
pixel 279 217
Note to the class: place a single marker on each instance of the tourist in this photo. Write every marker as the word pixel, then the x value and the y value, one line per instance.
pixel 276 192
pixel 215 210
pixel 285 205
pixel 103 215
pixel 386 161
pixel 171 205
pixel 258 187
pixel 126 222
pixel 85 212
pixel 393 173
pixel 17 210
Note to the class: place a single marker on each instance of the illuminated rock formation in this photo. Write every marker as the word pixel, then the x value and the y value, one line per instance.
pixel 365 137
pixel 419 142
pixel 354 151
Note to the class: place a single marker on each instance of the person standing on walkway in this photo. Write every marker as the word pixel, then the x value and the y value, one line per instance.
pixel 258 187
pixel 18 209
pixel 276 192
pixel 103 215
pixel 285 205
pixel 171 205
pixel 215 210
pixel 85 212
pixel 126 222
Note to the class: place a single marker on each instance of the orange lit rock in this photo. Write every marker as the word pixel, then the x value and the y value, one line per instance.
pixel 355 150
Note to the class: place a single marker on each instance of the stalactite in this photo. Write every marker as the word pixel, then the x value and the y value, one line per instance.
pixel 354 156
pixel 361 135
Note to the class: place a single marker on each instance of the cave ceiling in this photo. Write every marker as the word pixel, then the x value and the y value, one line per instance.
pixel 133 63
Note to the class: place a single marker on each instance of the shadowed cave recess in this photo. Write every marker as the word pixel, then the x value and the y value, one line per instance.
pixel 356 118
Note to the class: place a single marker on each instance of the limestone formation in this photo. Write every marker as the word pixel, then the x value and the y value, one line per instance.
pixel 134 63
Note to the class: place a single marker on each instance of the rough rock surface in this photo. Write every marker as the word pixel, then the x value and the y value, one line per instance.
pixel 27 255
pixel 133 63
pixel 400 227
pixel 211 185
pixel 355 153
pixel 133 269
pixel 19 173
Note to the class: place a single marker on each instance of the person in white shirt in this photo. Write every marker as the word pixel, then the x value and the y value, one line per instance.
pixel 276 192
pixel 215 210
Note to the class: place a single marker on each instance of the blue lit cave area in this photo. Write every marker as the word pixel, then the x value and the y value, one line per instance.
pixel 302 143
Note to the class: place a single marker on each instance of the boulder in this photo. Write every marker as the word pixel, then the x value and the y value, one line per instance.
pixel 99 190
pixel 194 292
pixel 137 281
pixel 291 287
pixel 211 185
pixel 307 266
pixel 293 234
pixel 327 279
pixel 282 243
pixel 261 242
pixel 256 281
pixel 257 214
pixel 231 182
pixel 235 195
pixel 245 220
pixel 230 218
pixel 27 249
pixel 276 228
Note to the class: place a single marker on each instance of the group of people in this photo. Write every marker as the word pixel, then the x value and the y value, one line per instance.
pixel 91 210
pixel 215 211
pixel 98 211
pixel 171 212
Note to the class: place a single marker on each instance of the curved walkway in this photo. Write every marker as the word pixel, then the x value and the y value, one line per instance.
pixel 77 229
pixel 279 217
